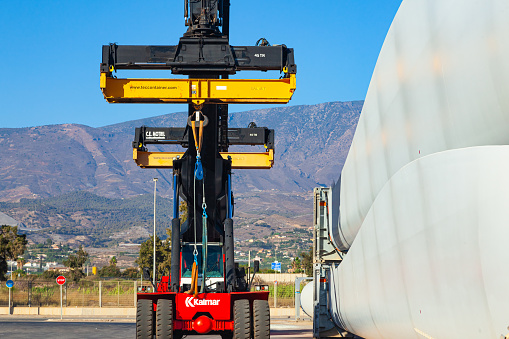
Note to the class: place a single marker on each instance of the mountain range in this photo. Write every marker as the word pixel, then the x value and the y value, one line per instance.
pixel 38 162
pixel 70 171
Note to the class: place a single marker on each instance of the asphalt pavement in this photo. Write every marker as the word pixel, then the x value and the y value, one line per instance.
pixel 14 327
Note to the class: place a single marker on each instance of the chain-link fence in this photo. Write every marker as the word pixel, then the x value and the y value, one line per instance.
pixel 105 293
pixel 285 294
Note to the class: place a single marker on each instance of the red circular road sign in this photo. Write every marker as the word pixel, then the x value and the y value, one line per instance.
pixel 60 280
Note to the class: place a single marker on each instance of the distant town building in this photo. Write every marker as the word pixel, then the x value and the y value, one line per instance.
pixel 58 267
pixel 129 245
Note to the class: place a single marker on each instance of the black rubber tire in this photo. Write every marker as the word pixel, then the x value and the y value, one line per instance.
pixel 164 319
pixel 241 319
pixel 144 319
pixel 261 319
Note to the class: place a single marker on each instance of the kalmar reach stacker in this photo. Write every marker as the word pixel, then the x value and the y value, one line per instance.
pixel 206 292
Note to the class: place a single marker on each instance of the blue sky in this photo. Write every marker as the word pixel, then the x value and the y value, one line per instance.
pixel 51 50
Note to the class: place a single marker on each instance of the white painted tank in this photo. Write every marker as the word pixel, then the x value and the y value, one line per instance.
pixel 440 83
pixel 306 299
pixel 423 200
pixel 431 256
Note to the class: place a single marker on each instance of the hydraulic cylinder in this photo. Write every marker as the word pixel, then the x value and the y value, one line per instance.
pixel 230 263
pixel 175 255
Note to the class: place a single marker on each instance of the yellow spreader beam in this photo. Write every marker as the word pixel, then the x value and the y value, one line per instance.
pixel 262 160
pixel 198 91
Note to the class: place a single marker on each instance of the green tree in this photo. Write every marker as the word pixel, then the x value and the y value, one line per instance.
pixel 18 274
pixel 163 256
pixel 131 273
pixel 12 245
pixel 111 270
pixel 75 262
pixel 19 263
pixel 50 274
pixel 297 265
pixel 307 262
pixel 182 212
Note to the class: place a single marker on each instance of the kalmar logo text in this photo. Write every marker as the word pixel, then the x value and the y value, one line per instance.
pixel 192 302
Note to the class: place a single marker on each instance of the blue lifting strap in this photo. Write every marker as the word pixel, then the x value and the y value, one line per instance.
pixel 198 168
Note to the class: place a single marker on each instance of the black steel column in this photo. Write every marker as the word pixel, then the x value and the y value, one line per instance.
pixel 209 154
pixel 175 254
pixel 226 17
pixel 230 263
pixel 212 180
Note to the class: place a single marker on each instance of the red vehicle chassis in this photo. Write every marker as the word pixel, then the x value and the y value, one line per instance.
pixel 208 312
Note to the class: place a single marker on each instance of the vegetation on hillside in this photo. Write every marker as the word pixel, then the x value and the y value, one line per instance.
pixel 99 218
pixel 51 254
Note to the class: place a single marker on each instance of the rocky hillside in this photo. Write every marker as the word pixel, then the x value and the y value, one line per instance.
pixel 79 185
pixel 38 162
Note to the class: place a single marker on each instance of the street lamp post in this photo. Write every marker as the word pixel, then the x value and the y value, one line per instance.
pixel 154 239
pixel 10 292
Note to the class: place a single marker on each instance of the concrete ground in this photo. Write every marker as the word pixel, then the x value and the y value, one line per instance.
pixel 106 327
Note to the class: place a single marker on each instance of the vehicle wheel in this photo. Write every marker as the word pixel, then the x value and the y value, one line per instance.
pixel 144 319
pixel 241 319
pixel 261 319
pixel 164 319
